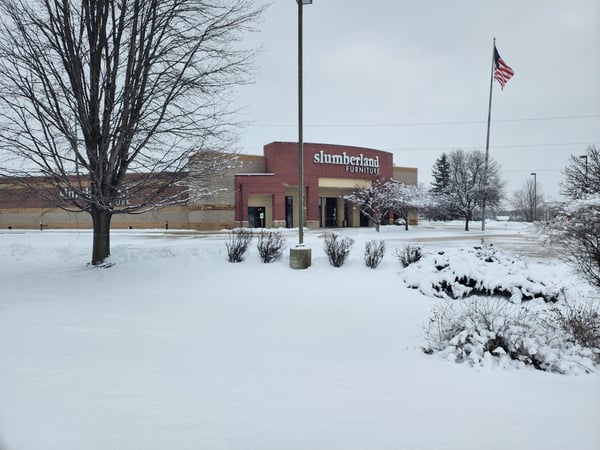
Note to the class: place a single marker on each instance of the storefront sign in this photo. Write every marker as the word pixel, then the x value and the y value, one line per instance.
pixel 353 164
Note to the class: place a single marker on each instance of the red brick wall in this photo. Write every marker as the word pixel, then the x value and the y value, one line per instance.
pixel 281 158
pixel 281 167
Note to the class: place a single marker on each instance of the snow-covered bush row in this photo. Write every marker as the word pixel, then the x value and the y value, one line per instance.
pixel 480 270
pixel 495 333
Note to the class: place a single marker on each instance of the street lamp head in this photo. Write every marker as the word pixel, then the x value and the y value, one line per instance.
pixel 533 173
pixel 305 2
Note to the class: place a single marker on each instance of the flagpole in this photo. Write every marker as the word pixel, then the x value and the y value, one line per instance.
pixel 487 141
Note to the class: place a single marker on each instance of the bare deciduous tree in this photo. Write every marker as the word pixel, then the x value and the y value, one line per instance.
pixel 582 175
pixel 576 224
pixel 107 99
pixel 466 189
pixel 408 199
pixel 576 228
pixel 375 201
pixel 528 200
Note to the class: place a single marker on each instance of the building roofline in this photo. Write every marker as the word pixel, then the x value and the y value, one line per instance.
pixel 355 147
pixel 253 174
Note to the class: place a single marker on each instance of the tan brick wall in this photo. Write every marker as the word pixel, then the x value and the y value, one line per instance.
pixel 54 218
pixel 407 175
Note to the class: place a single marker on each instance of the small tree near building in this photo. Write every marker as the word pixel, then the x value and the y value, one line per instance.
pixel 375 201
pixel 408 200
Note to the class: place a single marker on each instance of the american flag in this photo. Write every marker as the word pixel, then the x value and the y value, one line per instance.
pixel 502 73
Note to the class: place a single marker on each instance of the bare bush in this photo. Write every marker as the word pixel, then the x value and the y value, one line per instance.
pixel 237 243
pixel 374 251
pixel 270 245
pixel 576 229
pixel 410 254
pixel 337 249
pixel 492 332
pixel 581 325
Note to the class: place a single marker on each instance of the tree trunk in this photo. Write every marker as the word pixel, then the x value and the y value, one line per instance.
pixel 467 218
pixel 101 246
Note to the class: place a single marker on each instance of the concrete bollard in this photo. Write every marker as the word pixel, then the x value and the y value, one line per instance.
pixel 300 257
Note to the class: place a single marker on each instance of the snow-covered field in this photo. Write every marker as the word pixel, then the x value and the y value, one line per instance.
pixel 175 348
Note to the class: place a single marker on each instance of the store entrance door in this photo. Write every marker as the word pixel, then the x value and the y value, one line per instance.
pixel 330 212
pixel 256 216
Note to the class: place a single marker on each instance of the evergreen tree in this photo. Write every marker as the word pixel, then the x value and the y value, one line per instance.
pixel 441 175
pixel 440 208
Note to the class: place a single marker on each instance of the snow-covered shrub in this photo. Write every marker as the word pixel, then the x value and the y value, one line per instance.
pixel 481 270
pixel 484 332
pixel 576 229
pixel 237 243
pixel 374 251
pixel 581 324
pixel 270 245
pixel 410 254
pixel 337 249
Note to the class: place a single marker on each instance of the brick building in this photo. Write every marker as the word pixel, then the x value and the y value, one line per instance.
pixel 253 190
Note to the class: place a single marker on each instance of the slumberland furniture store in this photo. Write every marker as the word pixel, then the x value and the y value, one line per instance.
pixel 270 198
pixel 254 191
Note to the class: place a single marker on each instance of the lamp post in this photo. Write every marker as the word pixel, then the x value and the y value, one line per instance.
pixel 300 257
pixel 300 3
pixel 534 195
pixel 585 188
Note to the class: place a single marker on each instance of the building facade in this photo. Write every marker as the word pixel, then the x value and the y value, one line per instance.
pixel 268 196
pixel 250 191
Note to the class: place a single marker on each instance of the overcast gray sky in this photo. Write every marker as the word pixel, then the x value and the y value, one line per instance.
pixel 413 77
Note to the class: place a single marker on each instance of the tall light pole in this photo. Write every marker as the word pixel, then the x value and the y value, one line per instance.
pixel 300 3
pixel 300 258
pixel 585 188
pixel 534 196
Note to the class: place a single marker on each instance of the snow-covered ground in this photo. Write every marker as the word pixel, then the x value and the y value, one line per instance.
pixel 175 348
